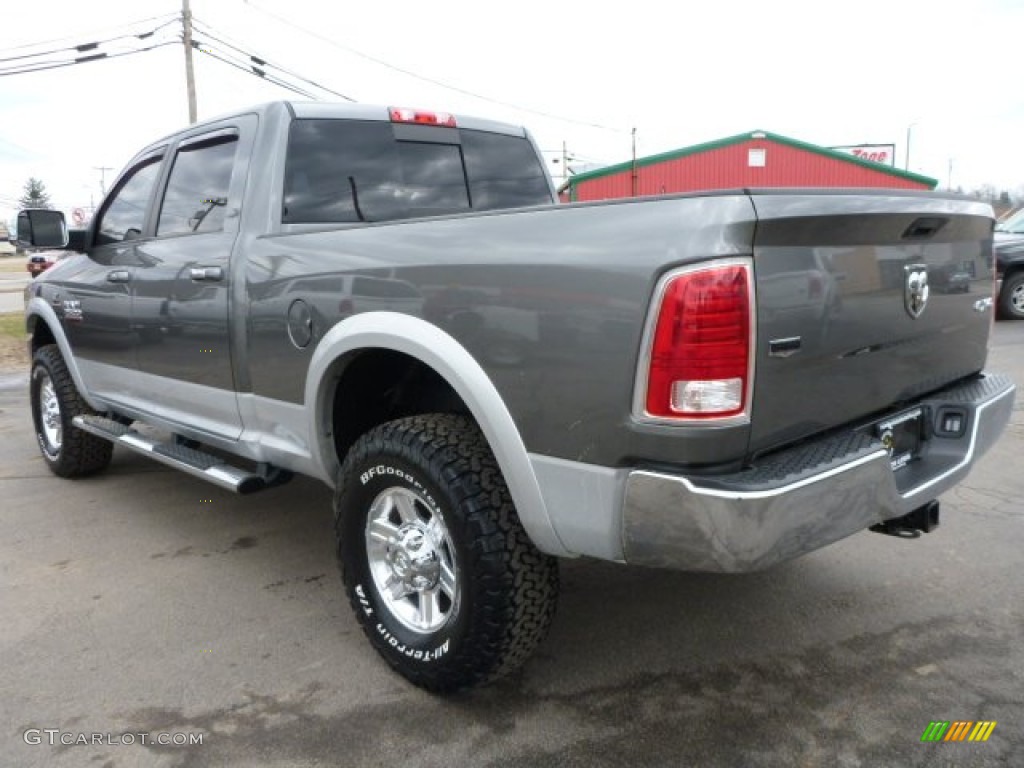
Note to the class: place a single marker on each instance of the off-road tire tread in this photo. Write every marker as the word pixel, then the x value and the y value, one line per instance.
pixel 515 586
pixel 81 453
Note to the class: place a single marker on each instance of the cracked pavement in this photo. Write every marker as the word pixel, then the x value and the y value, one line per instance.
pixel 144 600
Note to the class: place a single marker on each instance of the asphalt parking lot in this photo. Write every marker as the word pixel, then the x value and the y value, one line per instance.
pixel 144 601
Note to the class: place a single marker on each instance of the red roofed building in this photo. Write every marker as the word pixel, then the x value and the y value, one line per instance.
pixel 755 159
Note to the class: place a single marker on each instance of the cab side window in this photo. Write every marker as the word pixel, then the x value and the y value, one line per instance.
pixel 125 215
pixel 197 191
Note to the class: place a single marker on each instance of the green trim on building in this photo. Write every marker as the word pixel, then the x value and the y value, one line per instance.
pixel 641 162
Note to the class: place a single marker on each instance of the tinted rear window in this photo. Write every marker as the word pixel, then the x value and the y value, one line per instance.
pixel 503 171
pixel 352 170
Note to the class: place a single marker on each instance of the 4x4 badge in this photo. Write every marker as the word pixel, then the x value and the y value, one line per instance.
pixel 915 289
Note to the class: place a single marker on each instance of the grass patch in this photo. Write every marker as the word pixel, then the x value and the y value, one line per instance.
pixel 13 264
pixel 13 349
pixel 12 325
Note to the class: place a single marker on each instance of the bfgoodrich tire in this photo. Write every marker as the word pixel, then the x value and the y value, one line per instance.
pixel 67 450
pixel 440 573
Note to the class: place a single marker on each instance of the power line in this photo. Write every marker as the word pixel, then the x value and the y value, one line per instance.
pixel 89 46
pixel 425 79
pixel 261 74
pixel 103 31
pixel 26 69
pixel 204 29
pixel 259 61
pixel 257 72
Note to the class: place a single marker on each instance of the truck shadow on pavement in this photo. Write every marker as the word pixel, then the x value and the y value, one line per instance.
pixel 642 666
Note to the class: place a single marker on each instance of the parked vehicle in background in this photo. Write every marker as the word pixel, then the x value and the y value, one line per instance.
pixel 6 247
pixel 1009 255
pixel 951 278
pixel 391 301
pixel 40 261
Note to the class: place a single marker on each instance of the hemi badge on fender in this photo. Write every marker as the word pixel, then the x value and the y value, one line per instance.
pixel 784 347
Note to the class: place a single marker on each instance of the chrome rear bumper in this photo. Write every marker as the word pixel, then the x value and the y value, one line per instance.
pixel 808 497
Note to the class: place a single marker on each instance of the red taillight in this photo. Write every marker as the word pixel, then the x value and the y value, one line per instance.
pixel 700 354
pixel 421 117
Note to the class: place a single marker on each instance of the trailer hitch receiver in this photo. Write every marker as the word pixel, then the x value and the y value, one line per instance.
pixel 924 519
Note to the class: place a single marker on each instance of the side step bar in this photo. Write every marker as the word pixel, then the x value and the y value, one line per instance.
pixel 195 462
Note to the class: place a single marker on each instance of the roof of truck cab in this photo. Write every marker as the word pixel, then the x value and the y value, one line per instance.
pixel 327 110
pixel 342 110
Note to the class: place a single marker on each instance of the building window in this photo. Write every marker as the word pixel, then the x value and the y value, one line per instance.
pixel 756 157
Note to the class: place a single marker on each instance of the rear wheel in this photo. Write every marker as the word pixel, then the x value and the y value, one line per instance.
pixel 1011 298
pixel 68 451
pixel 440 572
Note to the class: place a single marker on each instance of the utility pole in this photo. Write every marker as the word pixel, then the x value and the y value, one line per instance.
pixel 103 176
pixel 563 158
pixel 906 165
pixel 190 77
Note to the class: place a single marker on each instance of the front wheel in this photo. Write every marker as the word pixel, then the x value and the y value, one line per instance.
pixel 68 451
pixel 440 572
pixel 1011 297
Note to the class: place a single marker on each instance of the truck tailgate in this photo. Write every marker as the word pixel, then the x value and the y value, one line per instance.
pixel 845 325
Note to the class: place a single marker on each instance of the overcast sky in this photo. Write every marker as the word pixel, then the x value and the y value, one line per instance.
pixel 584 73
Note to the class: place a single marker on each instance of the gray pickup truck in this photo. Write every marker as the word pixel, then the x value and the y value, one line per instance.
pixel 392 301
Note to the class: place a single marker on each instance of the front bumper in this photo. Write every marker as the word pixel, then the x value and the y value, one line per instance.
pixel 807 497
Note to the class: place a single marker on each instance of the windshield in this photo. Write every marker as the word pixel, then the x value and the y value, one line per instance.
pixel 1014 224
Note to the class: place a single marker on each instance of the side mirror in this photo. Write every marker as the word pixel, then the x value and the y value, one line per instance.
pixel 42 228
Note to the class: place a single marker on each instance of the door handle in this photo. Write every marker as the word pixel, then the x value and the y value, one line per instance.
pixel 784 347
pixel 209 274
pixel 119 276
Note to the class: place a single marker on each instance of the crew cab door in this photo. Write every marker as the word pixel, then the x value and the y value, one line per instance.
pixel 94 299
pixel 182 285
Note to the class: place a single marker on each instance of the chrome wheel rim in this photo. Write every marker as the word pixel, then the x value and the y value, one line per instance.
pixel 411 560
pixel 49 413
pixel 1017 298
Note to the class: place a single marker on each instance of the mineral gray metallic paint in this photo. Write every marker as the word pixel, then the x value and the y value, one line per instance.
pixel 38 311
pixel 188 317
pixel 861 352
pixel 561 349
pixel 209 411
pixel 535 317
